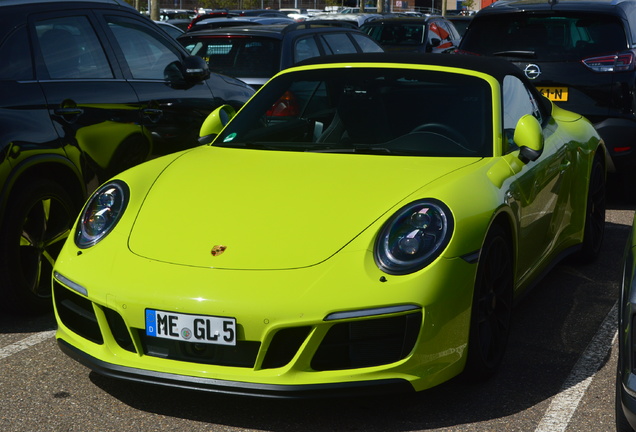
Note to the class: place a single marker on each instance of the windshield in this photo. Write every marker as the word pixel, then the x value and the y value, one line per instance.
pixel 374 111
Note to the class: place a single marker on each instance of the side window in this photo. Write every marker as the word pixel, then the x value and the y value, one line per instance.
pixel 146 51
pixel 305 48
pixel 337 43
pixel 70 49
pixel 366 44
pixel 517 102
pixel 16 55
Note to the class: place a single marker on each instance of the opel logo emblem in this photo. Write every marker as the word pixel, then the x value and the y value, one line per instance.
pixel 532 71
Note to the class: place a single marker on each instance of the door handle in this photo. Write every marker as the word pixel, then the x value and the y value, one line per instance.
pixel 152 114
pixel 70 115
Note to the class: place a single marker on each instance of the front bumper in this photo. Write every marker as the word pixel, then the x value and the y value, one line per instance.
pixel 336 328
pixel 300 391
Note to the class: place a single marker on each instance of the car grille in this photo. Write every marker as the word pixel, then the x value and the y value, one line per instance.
pixel 346 345
pixel 77 313
pixel 284 346
pixel 367 343
pixel 242 355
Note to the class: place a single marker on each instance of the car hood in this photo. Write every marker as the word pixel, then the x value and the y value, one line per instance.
pixel 271 209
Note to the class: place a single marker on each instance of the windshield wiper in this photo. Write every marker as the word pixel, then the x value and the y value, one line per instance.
pixel 258 145
pixel 352 149
pixel 307 147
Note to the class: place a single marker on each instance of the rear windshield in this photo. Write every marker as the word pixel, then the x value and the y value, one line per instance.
pixel 253 57
pixel 396 33
pixel 567 36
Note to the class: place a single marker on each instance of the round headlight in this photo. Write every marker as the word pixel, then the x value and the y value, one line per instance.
pixel 101 213
pixel 413 237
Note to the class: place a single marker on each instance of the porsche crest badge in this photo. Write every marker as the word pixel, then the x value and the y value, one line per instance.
pixel 218 250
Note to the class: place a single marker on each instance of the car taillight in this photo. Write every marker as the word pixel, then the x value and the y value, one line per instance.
pixel 286 105
pixel 622 62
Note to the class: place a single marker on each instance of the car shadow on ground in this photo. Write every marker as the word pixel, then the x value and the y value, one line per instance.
pixel 12 323
pixel 553 325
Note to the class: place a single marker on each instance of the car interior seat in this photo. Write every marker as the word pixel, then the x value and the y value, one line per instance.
pixel 360 118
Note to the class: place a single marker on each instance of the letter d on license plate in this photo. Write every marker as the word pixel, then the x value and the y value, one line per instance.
pixel 191 328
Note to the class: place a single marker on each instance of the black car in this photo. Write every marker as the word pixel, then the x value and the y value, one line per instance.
pixel 580 54
pixel 429 34
pixel 256 53
pixel 88 88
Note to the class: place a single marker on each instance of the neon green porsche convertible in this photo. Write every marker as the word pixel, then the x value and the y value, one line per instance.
pixel 362 224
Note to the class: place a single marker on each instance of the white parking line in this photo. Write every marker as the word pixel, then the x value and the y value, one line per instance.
pixel 563 405
pixel 25 343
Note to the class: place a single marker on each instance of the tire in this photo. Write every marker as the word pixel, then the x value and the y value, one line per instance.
pixel 492 307
pixel 594 215
pixel 622 425
pixel 33 232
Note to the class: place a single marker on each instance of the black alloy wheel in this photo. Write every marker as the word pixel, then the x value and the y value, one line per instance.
pixel 33 233
pixel 594 215
pixel 492 307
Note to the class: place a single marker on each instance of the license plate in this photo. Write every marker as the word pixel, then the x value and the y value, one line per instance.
pixel 191 328
pixel 557 94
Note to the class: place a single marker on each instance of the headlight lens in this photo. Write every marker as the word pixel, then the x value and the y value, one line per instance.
pixel 101 213
pixel 413 237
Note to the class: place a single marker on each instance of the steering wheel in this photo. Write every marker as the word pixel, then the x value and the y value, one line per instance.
pixel 447 132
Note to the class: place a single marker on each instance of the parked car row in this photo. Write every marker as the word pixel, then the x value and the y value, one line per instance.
pixel 191 22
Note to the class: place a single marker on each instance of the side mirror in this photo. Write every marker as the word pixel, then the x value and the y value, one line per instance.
pixel 529 137
pixel 184 75
pixel 215 122
pixel 195 69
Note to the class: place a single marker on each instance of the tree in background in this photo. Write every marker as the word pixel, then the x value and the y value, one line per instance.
pixel 230 4
pixel 468 4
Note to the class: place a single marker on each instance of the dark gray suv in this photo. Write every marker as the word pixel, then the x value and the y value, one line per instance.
pixel 580 54
pixel 87 89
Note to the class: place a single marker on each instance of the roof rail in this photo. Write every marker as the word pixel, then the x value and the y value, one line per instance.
pixel 319 23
